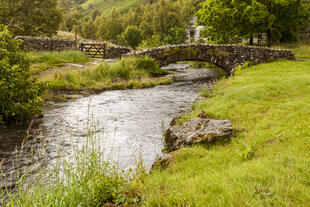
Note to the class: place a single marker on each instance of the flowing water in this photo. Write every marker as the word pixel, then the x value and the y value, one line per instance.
pixel 131 121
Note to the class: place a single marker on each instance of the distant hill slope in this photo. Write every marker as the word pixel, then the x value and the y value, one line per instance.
pixel 106 6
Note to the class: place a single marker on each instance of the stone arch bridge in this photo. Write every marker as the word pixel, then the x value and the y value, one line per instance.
pixel 226 57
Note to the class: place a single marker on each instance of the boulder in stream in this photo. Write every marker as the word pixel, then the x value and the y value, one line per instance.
pixel 197 130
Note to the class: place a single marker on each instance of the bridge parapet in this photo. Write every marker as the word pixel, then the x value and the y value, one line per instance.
pixel 226 57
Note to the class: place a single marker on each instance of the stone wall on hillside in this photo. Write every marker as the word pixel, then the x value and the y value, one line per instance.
pixel 53 44
pixel 46 44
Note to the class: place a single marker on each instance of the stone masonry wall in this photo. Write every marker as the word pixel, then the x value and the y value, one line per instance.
pixel 46 44
pixel 116 52
pixel 226 57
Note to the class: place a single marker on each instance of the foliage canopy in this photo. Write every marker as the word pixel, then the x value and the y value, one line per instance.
pixel 227 20
pixel 31 17
pixel 163 19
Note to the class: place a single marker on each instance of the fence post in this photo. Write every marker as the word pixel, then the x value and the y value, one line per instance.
pixel 104 48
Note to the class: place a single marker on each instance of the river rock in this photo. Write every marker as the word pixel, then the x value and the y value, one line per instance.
pixel 197 130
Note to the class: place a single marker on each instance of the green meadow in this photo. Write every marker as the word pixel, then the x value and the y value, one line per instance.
pixel 267 160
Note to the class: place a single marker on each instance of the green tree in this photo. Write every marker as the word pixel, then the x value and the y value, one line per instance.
pixel 72 19
pixel 89 29
pixel 64 4
pixel 114 24
pixel 95 14
pixel 20 94
pixel 176 36
pixel 165 19
pixel 132 36
pixel 73 22
pixel 31 17
pixel 227 20
pixel 102 28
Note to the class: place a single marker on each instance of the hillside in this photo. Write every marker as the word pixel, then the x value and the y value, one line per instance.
pixel 105 6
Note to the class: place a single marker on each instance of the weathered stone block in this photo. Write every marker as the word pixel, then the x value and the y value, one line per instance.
pixel 197 130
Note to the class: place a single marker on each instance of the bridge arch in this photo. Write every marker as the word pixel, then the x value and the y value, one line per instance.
pixel 226 57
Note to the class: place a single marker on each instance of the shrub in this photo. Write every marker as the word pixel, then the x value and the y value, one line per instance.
pixel 19 92
pixel 149 65
pixel 132 36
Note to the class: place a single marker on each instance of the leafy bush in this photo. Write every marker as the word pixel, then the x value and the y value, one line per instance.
pixel 149 65
pixel 19 92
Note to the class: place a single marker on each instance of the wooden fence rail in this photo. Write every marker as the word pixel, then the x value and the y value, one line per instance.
pixel 94 50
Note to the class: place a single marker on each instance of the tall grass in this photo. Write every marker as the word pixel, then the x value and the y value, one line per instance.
pixel 84 178
pixel 53 58
pixel 267 161
pixel 126 73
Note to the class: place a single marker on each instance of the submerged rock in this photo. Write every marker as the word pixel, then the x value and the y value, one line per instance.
pixel 197 130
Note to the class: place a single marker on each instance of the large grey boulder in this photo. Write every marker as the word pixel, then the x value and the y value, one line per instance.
pixel 197 130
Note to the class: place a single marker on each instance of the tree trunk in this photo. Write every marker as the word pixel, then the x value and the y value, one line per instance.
pixel 75 38
pixel 251 40
pixel 269 38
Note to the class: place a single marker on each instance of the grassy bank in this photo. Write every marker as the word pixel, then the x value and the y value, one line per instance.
pixel 267 163
pixel 41 61
pixel 126 73
pixel 301 50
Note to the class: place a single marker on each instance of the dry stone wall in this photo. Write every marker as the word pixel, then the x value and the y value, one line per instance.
pixel 116 52
pixel 46 44
pixel 226 57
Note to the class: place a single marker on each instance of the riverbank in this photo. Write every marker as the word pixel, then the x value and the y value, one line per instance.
pixel 72 73
pixel 265 163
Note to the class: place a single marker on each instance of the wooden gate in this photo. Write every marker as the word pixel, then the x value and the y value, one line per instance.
pixel 94 50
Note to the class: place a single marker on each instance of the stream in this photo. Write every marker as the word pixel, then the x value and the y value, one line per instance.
pixel 132 123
